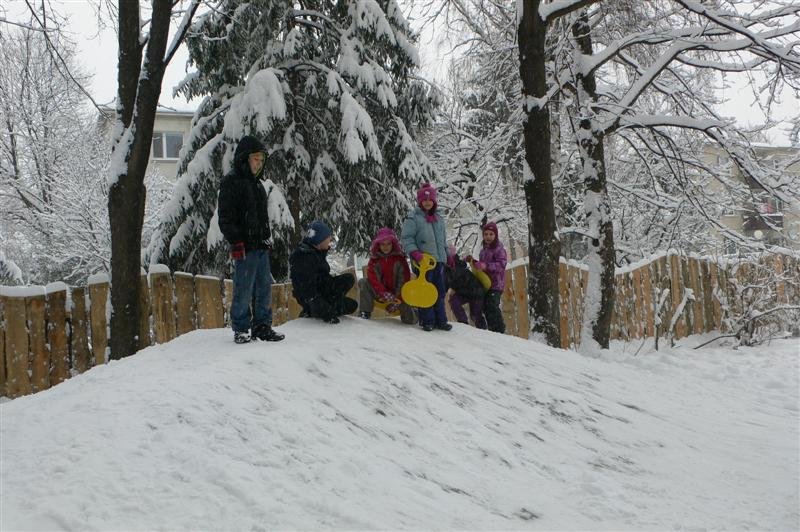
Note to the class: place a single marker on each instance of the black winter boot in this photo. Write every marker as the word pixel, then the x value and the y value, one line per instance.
pixel 241 337
pixel 265 333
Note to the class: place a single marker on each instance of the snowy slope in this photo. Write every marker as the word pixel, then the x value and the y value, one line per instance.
pixel 358 426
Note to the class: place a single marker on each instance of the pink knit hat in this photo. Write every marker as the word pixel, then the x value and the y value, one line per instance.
pixel 385 234
pixel 491 226
pixel 427 192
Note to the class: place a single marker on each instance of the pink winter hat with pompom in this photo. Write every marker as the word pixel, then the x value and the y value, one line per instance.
pixel 426 192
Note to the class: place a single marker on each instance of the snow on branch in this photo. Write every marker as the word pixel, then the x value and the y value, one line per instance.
pixel 262 101
pixel 558 8
pixel 180 33
pixel 686 122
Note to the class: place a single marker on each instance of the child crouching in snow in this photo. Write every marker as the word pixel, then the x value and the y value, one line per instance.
pixel 387 272
pixel 466 289
pixel 493 261
pixel 321 294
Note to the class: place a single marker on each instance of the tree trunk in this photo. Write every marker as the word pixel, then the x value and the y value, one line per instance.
pixel 294 209
pixel 544 246
pixel 137 95
pixel 600 257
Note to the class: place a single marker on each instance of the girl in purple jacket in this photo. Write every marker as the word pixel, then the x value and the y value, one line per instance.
pixel 493 261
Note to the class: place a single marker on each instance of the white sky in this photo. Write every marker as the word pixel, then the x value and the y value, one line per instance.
pixel 97 52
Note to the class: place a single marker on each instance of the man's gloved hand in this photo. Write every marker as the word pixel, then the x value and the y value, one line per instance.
pixel 416 255
pixel 237 251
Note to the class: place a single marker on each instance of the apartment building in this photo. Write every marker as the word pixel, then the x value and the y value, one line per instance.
pixel 763 216
pixel 170 129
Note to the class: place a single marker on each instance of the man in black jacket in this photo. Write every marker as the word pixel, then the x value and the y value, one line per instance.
pixel 244 222
pixel 320 294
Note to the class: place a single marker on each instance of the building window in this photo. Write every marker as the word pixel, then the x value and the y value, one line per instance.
pixel 167 144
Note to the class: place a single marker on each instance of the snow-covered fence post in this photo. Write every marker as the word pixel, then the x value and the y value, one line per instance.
pixel 614 329
pixel 629 305
pixel 576 296
pixel 161 300
pixel 780 287
pixel 57 334
pixel 688 315
pixel 98 302
pixel 16 343
pixel 618 312
pixel 280 303
pixel 448 311
pixel 647 300
pixel 572 305
pixel 39 353
pixel 725 295
pixel 508 311
pixel 662 300
pixel 227 292
pixel 708 295
pixel 208 294
pixel 688 295
pixel 144 313
pixel 294 306
pixel 676 288
pixel 638 302
pixel 563 293
pixel 353 293
pixel 698 322
pixel 714 296
pixel 185 320
pixel 79 338
pixel 521 295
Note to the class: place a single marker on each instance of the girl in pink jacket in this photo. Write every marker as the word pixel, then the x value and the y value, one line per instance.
pixel 493 260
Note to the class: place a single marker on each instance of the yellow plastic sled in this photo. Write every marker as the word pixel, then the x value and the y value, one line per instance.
pixel 483 277
pixel 419 292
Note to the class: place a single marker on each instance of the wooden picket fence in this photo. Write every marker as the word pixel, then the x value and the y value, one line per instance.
pixel 47 337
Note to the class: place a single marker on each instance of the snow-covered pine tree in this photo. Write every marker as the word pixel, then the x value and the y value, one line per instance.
pixel 9 272
pixel 330 88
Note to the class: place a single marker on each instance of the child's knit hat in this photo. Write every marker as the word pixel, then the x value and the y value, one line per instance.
pixel 427 192
pixel 317 232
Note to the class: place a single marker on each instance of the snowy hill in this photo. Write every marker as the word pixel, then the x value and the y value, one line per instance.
pixel 362 425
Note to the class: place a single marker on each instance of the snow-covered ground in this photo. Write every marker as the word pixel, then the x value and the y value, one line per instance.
pixel 381 426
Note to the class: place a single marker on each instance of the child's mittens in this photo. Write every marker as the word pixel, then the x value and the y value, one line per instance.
pixel 393 307
pixel 479 265
pixel 387 297
pixel 416 255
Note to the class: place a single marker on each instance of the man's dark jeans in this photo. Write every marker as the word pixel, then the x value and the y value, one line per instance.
pixel 252 291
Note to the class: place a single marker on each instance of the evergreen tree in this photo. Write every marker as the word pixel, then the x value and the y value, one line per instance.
pixel 330 89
